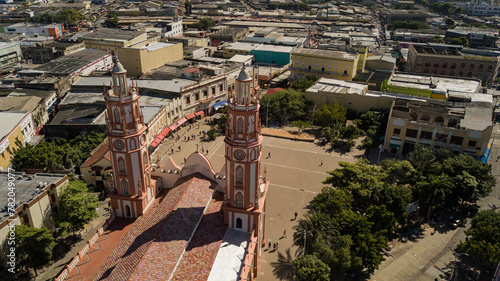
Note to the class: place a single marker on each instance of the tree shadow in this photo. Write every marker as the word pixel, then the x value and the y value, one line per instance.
pixel 283 268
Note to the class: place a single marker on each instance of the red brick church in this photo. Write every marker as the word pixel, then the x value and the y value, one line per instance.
pixel 210 225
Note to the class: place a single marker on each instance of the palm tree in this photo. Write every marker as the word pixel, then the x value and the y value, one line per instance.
pixel 422 159
pixel 316 225
pixel 434 191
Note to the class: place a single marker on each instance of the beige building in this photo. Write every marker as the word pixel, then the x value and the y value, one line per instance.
pixel 351 95
pixel 439 59
pixel 17 127
pixel 324 63
pixel 36 197
pixel 138 51
pixel 462 123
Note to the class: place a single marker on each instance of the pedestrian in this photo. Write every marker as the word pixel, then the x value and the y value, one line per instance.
pixel 284 233
pixel 295 216
pixel 269 155
pixel 269 244
pixel 207 151
pixel 274 246
pixel 277 245
pixel 184 160
pixel 321 163
pixel 179 148
pixel 109 205
pixel 172 151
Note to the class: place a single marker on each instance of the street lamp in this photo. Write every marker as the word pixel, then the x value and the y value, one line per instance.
pixel 59 240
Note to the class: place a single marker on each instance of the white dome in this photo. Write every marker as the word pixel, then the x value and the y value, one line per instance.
pixel 243 76
pixel 118 68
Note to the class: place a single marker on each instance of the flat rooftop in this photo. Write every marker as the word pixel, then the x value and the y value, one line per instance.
pixel 9 121
pixel 264 24
pixel 19 103
pixel 113 34
pixel 173 85
pixel 244 46
pixel 26 187
pixel 69 64
pixel 338 87
pixel 275 48
pixel 326 53
pixel 227 264
pixel 439 84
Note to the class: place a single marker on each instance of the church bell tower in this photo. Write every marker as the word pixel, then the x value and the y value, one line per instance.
pixel 133 190
pixel 246 190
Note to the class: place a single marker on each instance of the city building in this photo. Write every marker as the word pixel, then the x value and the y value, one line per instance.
pixel 453 60
pixel 351 95
pixel 228 35
pixel 192 208
pixel 462 123
pixel 43 53
pixel 481 8
pixel 36 198
pixel 54 30
pixel 391 15
pixel 33 104
pixel 436 87
pixel 79 63
pixel 170 28
pixel 324 63
pixel 17 128
pixel 478 37
pixel 10 54
pixel 133 189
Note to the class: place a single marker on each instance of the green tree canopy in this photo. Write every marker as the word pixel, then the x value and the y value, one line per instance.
pixel 330 115
pixel 436 39
pixel 449 21
pixel 285 105
pixel 78 207
pixel 311 268
pixel 483 241
pixel 112 20
pixel 34 244
pixel 303 84
pixel 460 41
pixel 205 23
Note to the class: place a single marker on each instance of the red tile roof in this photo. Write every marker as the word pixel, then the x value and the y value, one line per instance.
pixel 274 90
pixel 101 151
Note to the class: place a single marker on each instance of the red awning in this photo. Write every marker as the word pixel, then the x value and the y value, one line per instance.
pixel 178 123
pixel 155 143
pixel 199 113
pixel 190 116
pixel 183 119
pixel 165 132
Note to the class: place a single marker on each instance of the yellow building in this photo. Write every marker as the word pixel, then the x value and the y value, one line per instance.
pixel 139 60
pixel 17 128
pixel 324 63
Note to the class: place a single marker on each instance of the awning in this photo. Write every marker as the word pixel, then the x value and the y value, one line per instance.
pixel 108 169
pixel 178 123
pixel 96 168
pixel 155 143
pixel 165 132
pixel 220 104
pixel 199 113
pixel 394 145
pixel 190 116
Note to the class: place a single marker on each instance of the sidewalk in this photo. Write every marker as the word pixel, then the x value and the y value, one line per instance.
pixel 50 272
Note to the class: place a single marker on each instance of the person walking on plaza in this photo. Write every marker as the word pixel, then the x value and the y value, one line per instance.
pixel 295 216
pixel 269 244
pixel 269 155
pixel 284 233
pixel 321 163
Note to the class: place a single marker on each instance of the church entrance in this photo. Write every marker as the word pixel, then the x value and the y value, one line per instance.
pixel 127 211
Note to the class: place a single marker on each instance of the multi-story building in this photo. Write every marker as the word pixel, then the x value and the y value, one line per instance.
pixel 453 60
pixel 139 51
pixel 478 37
pixel 17 128
pixel 324 63
pixel 170 28
pixel 54 30
pixel 391 15
pixel 36 198
pixel 231 34
pixel 10 54
pixel 43 53
pixel 482 8
pixel 462 123
pixel 263 53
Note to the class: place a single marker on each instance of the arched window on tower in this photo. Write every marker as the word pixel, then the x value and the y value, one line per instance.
pixel 124 187
pixel 239 223
pixel 133 144
pixel 137 110
pixel 240 126
pixel 239 175
pixel 147 179
pixel 116 114
pixel 239 200
pixel 121 164
pixel 145 158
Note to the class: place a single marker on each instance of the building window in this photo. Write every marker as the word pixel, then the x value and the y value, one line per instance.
pixel 460 73
pixel 240 126
pixel 426 135
pixel 480 68
pixel 145 158
pixel 221 87
pixel 471 67
pixel 116 113
pixel 456 140
pixel 427 63
pixel 443 72
pixel 411 133
pixel 197 97
pixel 445 64
pixel 441 138
pixel 425 118
pixel 426 70
pixel 397 132
pixel 309 67
pixel 205 93
pixel 121 165
pixel 490 68
pixel 469 74
pixel 436 64
pixel 462 66
pixel 239 222
pixel 434 71
pixel 452 123
pixel 239 175
pixel 452 73
pixel 124 187
pixel 213 91
pixel 472 143
pixel 453 65
pixel 188 100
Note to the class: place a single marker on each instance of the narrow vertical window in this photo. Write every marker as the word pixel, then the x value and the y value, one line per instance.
pixel 124 187
pixel 239 201
pixel 116 113
pixel 240 126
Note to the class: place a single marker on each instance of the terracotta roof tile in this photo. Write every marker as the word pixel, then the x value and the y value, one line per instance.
pixel 98 154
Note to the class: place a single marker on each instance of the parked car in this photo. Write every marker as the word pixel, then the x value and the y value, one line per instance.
pixel 454 222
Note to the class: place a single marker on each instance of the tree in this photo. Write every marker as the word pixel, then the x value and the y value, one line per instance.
pixel 112 20
pixel 68 17
pixel 436 39
pixel 329 115
pixel 300 124
pixel 303 84
pixel 188 5
pixel 35 245
pixel 483 241
pixel 383 220
pixel 422 159
pixel 78 207
pixel 311 268
pixel 449 21
pixel 457 11
pixel 205 23
pixel 399 172
pixel 433 192
pixel 317 226
pixel 460 41
pixel 285 105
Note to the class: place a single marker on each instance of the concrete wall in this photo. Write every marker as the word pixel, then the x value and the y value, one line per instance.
pixel 138 61
pixel 359 103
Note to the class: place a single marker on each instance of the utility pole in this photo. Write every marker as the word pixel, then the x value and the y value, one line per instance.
pixel 312 119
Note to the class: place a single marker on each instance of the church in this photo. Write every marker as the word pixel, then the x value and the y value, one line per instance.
pixel 208 224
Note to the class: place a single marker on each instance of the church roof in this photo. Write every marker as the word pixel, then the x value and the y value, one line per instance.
pixel 243 76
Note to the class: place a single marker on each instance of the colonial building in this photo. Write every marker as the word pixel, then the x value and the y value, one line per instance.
pixel 133 190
